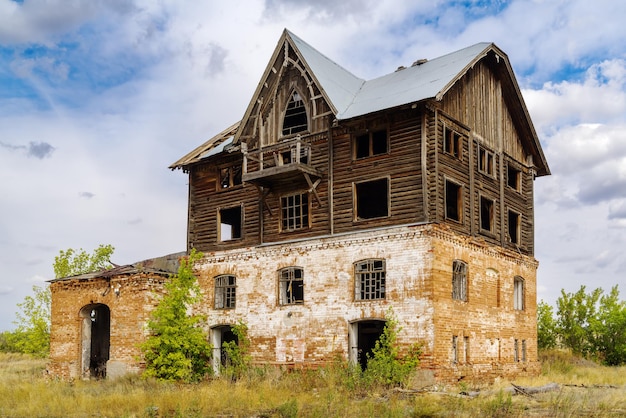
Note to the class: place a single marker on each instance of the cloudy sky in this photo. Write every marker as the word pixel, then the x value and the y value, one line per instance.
pixel 98 97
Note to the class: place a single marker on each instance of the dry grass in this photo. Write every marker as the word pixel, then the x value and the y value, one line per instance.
pixel 586 390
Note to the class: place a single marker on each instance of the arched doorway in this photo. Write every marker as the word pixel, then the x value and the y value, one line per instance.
pixel 95 342
pixel 220 335
pixel 362 337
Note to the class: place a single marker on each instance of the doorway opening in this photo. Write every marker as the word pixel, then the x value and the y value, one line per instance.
pixel 220 335
pixel 96 340
pixel 363 336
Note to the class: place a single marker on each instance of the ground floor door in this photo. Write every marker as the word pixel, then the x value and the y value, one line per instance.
pixel 95 342
pixel 362 337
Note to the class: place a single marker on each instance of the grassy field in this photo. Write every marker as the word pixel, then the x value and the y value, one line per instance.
pixel 586 390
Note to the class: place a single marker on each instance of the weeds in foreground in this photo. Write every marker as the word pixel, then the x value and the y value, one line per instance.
pixel 24 391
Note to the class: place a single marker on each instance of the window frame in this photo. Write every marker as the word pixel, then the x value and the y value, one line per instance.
pixel 366 287
pixel 355 199
pixel 225 294
pixel 517 226
pixel 370 133
pixel 220 223
pixel 491 216
pixel 288 114
pixel 519 293
pixel 287 275
pixel 517 175
pixel 460 280
pixel 452 142
pixel 459 200
pixel 234 179
pixel 486 161
pixel 288 224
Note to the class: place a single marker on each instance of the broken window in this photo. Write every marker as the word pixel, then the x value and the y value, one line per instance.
pixel 485 161
pixel 230 176
pixel 514 227
pixel 459 280
pixel 371 143
pixel 225 291
pixel 230 221
pixel 486 214
pixel 454 201
pixel 291 285
pixel 452 142
pixel 372 199
pixel 369 279
pixel 513 178
pixel 295 115
pixel 294 211
pixel 518 293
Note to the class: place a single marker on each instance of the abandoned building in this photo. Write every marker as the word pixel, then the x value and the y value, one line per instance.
pixel 335 202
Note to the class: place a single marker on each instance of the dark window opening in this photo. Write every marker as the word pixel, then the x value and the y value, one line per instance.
pixel 225 292
pixel 230 221
pixel 452 142
pixel 486 214
pixel 230 176
pixel 291 284
pixel 485 161
pixel 372 199
pixel 294 212
pixel 516 351
pixel 459 280
pixel 371 143
pixel 514 227
pixel 295 115
pixel 453 201
pixel 369 279
pixel 368 333
pixel 513 178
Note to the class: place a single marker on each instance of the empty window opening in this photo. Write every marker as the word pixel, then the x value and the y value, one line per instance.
pixel 369 279
pixel 225 291
pixel 452 142
pixel 372 199
pixel 455 349
pixel 230 221
pixel 459 280
pixel 485 161
pixel 453 201
pixel 513 178
pixel 516 351
pixel 291 285
pixel 518 293
pixel 220 336
pixel 295 115
pixel 230 176
pixel 371 143
pixel 514 227
pixel 486 214
pixel 294 211
pixel 363 337
pixel 96 333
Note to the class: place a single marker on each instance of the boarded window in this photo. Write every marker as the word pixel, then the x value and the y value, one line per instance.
pixel 372 199
pixel 230 176
pixel 513 178
pixel 454 201
pixel 369 279
pixel 514 227
pixel 294 212
pixel 485 161
pixel 452 142
pixel 295 115
pixel 230 221
pixel 291 285
pixel 459 280
pixel 518 293
pixel 371 143
pixel 225 291
pixel 486 214
pixel 524 351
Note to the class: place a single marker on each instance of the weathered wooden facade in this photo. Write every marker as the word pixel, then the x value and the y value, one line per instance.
pixel 336 199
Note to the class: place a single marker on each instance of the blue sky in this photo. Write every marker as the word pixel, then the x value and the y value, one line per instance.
pixel 98 97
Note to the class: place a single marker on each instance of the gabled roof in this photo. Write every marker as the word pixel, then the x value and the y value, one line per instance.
pixel 213 146
pixel 350 96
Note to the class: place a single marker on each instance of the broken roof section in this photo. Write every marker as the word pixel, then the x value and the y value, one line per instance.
pixel 351 97
pixel 163 266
